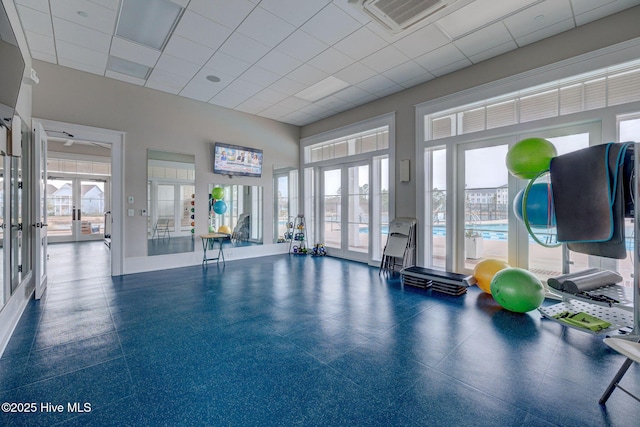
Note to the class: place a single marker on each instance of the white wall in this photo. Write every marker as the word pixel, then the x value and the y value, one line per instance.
pixel 154 119
pixel 587 38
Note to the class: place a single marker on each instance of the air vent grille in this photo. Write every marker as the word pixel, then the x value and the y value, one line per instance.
pixel 398 15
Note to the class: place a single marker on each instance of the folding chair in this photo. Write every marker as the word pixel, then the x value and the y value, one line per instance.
pixel 626 348
pixel 401 245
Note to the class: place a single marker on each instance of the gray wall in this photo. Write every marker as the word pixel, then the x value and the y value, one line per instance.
pixel 587 38
pixel 154 119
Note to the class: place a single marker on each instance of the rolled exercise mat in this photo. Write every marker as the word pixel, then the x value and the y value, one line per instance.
pixel 584 281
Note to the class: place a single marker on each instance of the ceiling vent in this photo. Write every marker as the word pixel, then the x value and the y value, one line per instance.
pixel 398 15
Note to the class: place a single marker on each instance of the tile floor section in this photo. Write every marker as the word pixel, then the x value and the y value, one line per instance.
pixel 290 340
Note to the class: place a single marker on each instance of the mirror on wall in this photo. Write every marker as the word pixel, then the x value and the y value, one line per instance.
pixel 237 210
pixel 170 202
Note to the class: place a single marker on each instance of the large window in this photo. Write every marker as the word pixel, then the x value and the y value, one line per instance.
pixel 477 196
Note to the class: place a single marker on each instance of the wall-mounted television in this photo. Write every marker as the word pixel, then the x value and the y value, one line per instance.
pixel 236 160
pixel 11 69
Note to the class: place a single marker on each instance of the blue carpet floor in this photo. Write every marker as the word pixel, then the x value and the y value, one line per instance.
pixel 290 340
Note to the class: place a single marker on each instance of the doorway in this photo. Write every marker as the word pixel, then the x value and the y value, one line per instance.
pixel 95 215
pixel 76 209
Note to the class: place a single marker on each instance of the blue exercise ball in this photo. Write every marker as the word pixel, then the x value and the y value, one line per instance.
pixel 220 207
pixel 540 212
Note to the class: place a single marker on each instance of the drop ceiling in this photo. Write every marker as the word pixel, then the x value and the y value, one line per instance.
pixel 265 52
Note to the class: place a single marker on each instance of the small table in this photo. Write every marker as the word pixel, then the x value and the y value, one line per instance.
pixel 210 239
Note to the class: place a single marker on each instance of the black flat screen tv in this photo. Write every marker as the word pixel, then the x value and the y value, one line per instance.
pixel 236 160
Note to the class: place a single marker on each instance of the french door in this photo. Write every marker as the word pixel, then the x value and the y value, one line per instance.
pixel 76 209
pixel 345 206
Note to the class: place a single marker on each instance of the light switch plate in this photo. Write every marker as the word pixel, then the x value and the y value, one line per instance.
pixel 131 212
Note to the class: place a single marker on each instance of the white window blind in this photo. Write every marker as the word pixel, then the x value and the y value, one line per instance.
pixel 624 87
pixel 539 106
pixel 571 99
pixel 501 114
pixel 473 120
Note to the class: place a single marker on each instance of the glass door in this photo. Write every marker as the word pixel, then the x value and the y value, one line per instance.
pixel 75 209
pixel 345 210
pixel 331 209
pixel 484 217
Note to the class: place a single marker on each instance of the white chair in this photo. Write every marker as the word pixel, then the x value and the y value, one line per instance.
pixel 400 248
pixel 627 348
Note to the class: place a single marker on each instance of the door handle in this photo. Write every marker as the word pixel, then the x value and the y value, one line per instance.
pixel 73 214
pixel 79 214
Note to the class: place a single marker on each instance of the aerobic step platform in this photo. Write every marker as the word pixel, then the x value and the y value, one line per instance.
pixel 440 281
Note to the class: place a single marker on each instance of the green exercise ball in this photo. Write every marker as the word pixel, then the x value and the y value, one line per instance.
pixel 517 290
pixel 529 157
pixel 217 193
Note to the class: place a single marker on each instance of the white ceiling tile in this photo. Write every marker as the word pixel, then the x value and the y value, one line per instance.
pixel 41 5
pixel 176 66
pixel 134 52
pixel 188 50
pixel 253 106
pixel 270 95
pixel 279 62
pixel 243 47
pixel 82 55
pixel 277 111
pixel 583 6
pixel 407 71
pixel 385 59
pixel 355 11
pixel 301 46
pixel 376 83
pixel 265 27
pixel 201 89
pixel 330 61
pixel 260 76
pixel 545 32
pixel 450 68
pixel 477 14
pixel 295 12
pixel 493 51
pixel 418 80
pixel 352 94
pixel 40 43
pixel 331 24
pixel 227 64
pixel 80 35
pixel 244 87
pixel 228 13
pixel 166 82
pixel 294 103
pixel 181 3
pixel 35 21
pixel 114 4
pixel 288 86
pixel 441 57
pixel 307 75
pixel 98 17
pixel 66 62
pixel 483 39
pixel 202 30
pixel 334 103
pixel 42 56
pixel 422 41
pixel 124 78
pixel 389 90
pixel 361 43
pixel 355 73
pixel 538 17
pixel 228 98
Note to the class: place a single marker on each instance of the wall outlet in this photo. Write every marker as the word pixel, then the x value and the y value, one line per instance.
pixel 131 212
pixel 130 199
pixel 143 212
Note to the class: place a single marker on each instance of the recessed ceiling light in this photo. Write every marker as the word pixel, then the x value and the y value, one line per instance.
pixel 83 13
pixel 149 22
pixel 212 78
pixel 538 19
pixel 129 68
pixel 322 89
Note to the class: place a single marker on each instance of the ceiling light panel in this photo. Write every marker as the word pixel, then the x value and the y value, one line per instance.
pixel 322 89
pixel 129 68
pixel 149 23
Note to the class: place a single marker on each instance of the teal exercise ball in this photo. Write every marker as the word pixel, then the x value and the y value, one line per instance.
pixel 220 207
pixel 517 290
pixel 217 193
pixel 529 157
pixel 540 212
